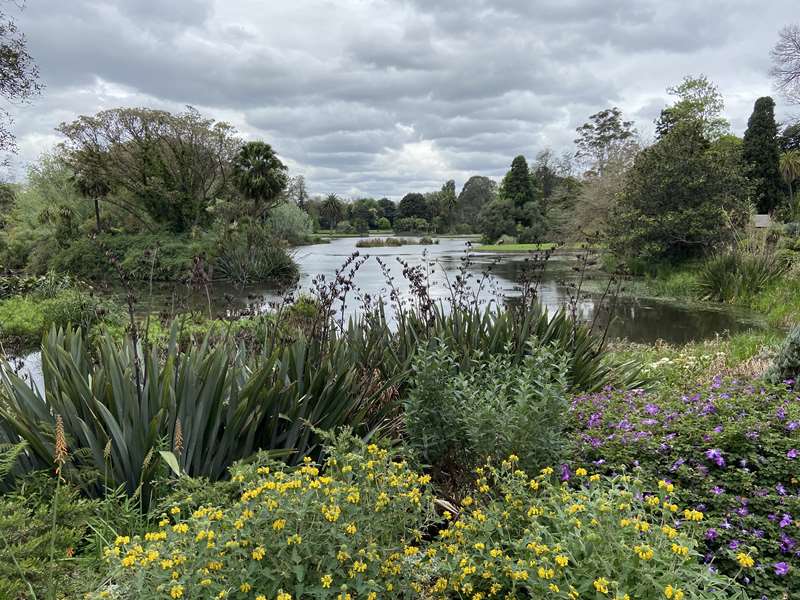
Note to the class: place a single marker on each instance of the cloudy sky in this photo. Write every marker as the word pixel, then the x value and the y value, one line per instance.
pixel 381 97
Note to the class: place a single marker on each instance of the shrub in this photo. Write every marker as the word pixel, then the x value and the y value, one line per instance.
pixel 738 275
pixel 384 224
pixel 25 319
pixel 732 449
pixel 290 223
pixel 160 256
pixel 786 365
pixel 250 255
pixel 411 225
pixel 345 227
pixel 529 537
pixel 344 527
pixel 455 418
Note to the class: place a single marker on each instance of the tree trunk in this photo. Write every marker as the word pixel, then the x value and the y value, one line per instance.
pixel 97 213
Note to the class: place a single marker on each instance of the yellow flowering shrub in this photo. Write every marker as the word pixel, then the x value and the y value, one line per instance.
pixel 534 537
pixel 342 529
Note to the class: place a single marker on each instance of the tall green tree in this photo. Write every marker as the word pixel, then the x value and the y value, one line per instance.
pixel 260 177
pixel 413 205
pixel 478 191
pixel 697 99
pixel 517 187
pixel 679 199
pixel 761 155
pixel 387 208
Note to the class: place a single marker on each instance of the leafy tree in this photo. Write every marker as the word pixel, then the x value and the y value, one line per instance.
pixel 679 199
pixel 600 192
pixel 786 63
pixel 517 186
pixel 260 176
pixel 790 138
pixel 387 209
pixel 363 214
pixel 19 76
pixel 698 99
pixel 332 210
pixel 413 205
pixel 601 137
pixel 169 167
pixel 761 155
pixel 477 193
pixel 496 219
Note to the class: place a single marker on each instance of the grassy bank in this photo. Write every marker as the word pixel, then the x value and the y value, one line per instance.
pixel 514 248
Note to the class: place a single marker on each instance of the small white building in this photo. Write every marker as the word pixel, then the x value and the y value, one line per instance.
pixel 761 221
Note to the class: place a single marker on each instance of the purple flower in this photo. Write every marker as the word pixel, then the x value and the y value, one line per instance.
pixel 792 453
pixel 742 512
pixel 715 455
pixel 785 521
pixel 793 425
pixel 781 569
pixel 651 409
pixel 752 435
pixel 717 490
pixel 780 489
pixel 734 544
pixel 780 414
pixel 565 473
pixel 711 534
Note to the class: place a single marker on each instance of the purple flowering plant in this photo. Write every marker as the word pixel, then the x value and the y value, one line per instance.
pixel 729 447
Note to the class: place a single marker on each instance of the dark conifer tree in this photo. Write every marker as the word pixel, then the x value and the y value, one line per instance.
pixel 761 155
pixel 517 185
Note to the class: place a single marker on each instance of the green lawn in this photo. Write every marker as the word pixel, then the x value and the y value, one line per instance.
pixel 515 247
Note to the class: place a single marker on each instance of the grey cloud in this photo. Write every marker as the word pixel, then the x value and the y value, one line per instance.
pixel 382 97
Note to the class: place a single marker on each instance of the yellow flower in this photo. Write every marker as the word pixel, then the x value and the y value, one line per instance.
pixel 175 510
pixel 261 597
pixel 351 529
pixel 594 477
pixel 278 524
pixel 581 472
pixel 601 585
pixel 284 596
pixel 692 515
pixel 680 550
pixel 745 560
pixel 176 591
pixel 668 487
pixel 326 581
pixel 245 587
pixel 562 561
pixel 259 553
pixel 644 552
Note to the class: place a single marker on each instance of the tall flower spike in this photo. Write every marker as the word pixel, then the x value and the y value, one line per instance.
pixel 177 443
pixel 61 453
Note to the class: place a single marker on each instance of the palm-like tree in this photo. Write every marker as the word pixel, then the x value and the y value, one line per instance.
pixel 790 170
pixel 332 209
pixel 260 176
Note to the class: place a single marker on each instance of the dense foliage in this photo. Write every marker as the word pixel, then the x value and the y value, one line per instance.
pixel 457 417
pixel 730 447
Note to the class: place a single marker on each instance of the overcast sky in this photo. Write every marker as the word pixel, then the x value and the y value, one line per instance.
pixel 382 97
